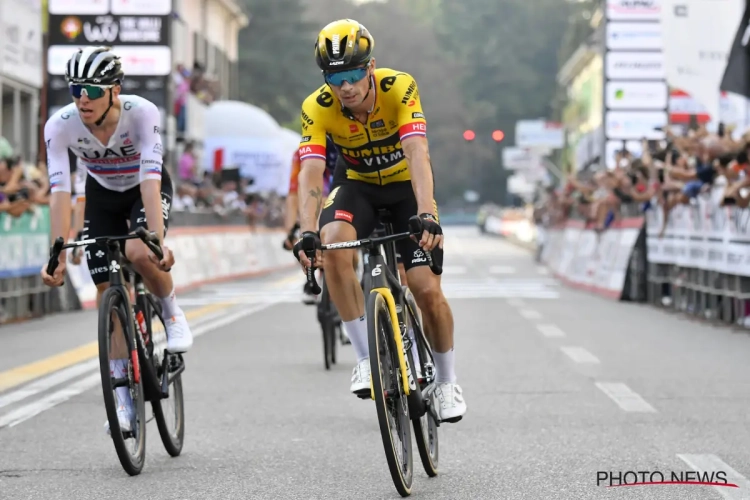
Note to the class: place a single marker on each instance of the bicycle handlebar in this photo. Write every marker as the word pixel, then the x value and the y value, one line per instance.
pixel 415 229
pixel 149 238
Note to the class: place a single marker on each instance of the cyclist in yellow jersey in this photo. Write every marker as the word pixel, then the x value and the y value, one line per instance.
pixel 375 119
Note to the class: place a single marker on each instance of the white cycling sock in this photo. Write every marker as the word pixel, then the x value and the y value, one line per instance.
pixel 445 364
pixel 356 330
pixel 118 369
pixel 169 305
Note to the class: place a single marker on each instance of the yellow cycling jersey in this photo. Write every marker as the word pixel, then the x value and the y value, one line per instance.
pixel 372 152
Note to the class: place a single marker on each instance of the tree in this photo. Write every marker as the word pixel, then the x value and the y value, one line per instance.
pixel 509 54
pixel 275 57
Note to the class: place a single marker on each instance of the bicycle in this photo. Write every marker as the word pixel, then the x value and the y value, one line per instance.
pixel 392 314
pixel 151 369
pixel 328 316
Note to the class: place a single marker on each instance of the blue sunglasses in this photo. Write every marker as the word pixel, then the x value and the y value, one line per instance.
pixel 351 75
pixel 92 91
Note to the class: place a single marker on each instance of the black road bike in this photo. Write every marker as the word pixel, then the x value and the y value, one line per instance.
pixel 328 315
pixel 151 369
pixel 395 335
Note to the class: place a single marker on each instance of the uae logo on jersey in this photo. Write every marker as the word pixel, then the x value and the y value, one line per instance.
pixel 128 141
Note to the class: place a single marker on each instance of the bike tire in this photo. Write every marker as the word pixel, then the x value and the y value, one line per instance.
pixel 172 437
pixel 381 338
pixel 326 325
pixel 426 426
pixel 113 301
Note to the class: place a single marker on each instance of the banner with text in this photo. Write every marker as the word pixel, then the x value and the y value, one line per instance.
pixel 702 235
pixel 597 262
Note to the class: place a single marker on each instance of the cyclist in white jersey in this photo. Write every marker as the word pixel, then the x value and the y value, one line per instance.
pixel 117 140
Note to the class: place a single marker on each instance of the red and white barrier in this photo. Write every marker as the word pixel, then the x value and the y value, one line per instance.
pixel 207 255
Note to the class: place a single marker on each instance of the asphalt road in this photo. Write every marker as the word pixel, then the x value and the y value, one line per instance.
pixel 559 384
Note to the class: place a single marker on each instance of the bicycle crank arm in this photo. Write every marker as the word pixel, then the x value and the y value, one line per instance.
pixel 171 366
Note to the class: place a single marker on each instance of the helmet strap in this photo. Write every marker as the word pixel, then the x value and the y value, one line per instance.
pixel 99 122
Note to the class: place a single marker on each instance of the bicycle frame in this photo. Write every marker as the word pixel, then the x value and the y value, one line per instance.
pixel 383 281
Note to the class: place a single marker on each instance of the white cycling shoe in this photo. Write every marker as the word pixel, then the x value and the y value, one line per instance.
pixel 450 403
pixel 361 378
pixel 125 416
pixel 179 336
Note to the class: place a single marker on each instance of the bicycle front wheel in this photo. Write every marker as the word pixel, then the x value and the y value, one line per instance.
pixel 130 445
pixel 390 400
pixel 325 317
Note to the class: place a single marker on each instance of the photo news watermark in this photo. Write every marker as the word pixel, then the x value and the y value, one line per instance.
pixel 612 479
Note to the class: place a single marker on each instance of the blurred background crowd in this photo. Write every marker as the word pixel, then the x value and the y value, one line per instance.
pixel 687 164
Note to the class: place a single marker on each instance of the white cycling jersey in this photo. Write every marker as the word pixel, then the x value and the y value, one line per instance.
pixel 79 181
pixel 133 154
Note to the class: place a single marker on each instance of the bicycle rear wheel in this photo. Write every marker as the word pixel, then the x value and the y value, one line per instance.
pixel 114 306
pixel 425 426
pixel 390 400
pixel 171 423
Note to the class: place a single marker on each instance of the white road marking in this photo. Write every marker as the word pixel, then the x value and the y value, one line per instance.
pixel 550 331
pixel 530 314
pixel 502 270
pixel 625 397
pixel 712 463
pixel 48 382
pixel 580 355
pixel 30 410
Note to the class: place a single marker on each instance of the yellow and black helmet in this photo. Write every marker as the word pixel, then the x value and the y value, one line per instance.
pixel 343 44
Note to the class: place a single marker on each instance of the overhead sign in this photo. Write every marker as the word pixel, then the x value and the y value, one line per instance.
pixel 634 10
pixel 518 158
pixel 109 30
pixel 539 133
pixel 636 95
pixel 78 6
pixel 634 36
pixel 518 184
pixel 151 60
pixel 635 65
pixel 144 7
pixel 21 41
pixel 635 124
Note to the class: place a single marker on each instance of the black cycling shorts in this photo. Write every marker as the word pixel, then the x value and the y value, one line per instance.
pixel 357 203
pixel 108 213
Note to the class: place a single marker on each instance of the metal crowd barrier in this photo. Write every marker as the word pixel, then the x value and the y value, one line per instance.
pixel 702 294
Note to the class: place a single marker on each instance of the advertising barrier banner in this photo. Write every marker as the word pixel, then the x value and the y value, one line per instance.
pixel 702 235
pixel 205 255
pixel 578 255
pixel 24 243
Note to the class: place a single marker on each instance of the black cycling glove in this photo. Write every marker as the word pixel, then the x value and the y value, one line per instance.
pixel 310 236
pixel 430 224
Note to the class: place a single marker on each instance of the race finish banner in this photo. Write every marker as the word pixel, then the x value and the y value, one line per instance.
pixel 702 235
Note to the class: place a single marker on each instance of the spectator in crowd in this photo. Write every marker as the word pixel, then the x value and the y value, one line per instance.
pixel 670 172
pixel 196 82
